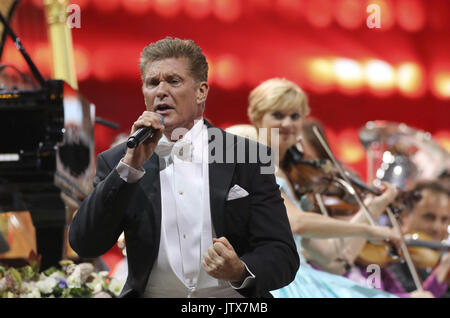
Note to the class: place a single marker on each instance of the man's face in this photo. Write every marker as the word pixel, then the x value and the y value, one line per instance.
pixel 170 90
pixel 430 215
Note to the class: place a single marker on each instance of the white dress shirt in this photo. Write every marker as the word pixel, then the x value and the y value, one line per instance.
pixel 186 226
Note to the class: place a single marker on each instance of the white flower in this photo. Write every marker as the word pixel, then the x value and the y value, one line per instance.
pixel 102 294
pixel 10 295
pixel 74 280
pixel 57 274
pixel 46 286
pixel 85 270
pixel 33 293
pixel 115 286
pixel 70 268
pixel 80 275
pixel 97 284
pixel 28 287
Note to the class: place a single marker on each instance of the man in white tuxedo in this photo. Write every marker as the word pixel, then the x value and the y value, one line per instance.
pixel 200 215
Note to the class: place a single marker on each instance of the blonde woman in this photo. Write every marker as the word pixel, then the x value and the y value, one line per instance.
pixel 281 104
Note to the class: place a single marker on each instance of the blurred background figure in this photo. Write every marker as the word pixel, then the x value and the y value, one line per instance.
pixel 426 217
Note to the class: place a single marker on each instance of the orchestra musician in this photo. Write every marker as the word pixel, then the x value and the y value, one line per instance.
pixel 427 216
pixel 348 249
pixel 281 104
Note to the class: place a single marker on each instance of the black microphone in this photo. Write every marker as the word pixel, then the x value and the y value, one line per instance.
pixel 142 134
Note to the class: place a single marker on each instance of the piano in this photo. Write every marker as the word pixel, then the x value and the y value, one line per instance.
pixel 46 154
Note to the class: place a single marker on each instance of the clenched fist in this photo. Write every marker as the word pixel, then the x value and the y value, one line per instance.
pixel 222 262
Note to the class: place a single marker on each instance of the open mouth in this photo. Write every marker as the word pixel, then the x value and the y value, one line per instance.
pixel 162 108
pixel 285 132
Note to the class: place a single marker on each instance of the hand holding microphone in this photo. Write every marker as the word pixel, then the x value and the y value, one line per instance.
pixel 145 134
pixel 142 134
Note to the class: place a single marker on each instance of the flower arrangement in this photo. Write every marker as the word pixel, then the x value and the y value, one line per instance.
pixel 69 281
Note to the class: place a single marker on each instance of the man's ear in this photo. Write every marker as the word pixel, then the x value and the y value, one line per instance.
pixel 202 92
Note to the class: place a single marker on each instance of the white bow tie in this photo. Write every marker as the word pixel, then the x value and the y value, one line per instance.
pixel 181 148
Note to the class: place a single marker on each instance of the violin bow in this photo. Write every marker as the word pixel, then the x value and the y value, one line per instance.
pixel 366 211
pixel 405 251
pixel 350 188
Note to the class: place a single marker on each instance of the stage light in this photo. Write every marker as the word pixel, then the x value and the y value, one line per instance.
pixel 320 72
pixel 441 84
pixel 211 69
pixel 228 72
pixel 82 63
pixel 411 14
pixel 349 149
pixel 167 8
pixel 197 9
pixel 349 74
pixel 350 14
pixel 410 79
pixel 443 138
pixel 227 10
pixel 42 56
pixel 380 76
pixel 137 6
pixel 319 12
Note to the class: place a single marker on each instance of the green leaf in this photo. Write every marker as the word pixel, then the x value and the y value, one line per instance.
pixel 50 270
pixel 80 292
pixel 15 276
pixel 2 271
pixel 28 273
pixel 65 262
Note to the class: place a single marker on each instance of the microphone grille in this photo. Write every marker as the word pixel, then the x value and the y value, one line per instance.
pixel 162 119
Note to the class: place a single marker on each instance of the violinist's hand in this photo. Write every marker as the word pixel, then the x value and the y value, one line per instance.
pixel 135 157
pixel 421 294
pixel 222 262
pixel 381 234
pixel 379 203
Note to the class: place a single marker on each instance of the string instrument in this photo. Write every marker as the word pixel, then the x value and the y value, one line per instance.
pixel 425 253
pixel 317 185
pixel 389 210
pixel 329 194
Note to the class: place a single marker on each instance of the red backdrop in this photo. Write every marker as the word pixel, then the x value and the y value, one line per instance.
pixel 248 41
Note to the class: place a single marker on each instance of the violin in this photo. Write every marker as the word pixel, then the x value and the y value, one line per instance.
pixel 425 253
pixel 327 192
pixel 347 182
pixel 310 177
